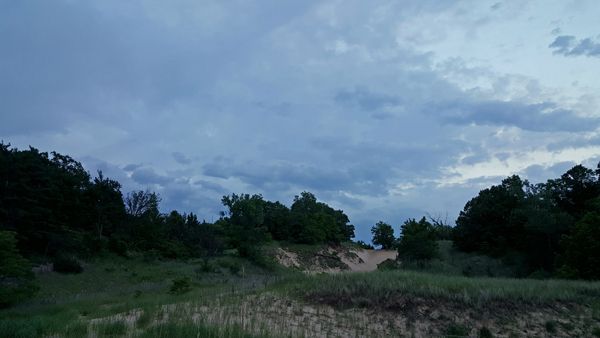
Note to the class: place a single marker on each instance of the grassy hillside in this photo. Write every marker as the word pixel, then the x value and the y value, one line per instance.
pixel 229 297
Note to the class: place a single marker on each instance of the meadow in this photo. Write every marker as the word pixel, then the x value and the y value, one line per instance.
pixel 231 297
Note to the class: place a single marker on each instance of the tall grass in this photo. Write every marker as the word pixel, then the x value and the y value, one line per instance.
pixel 377 288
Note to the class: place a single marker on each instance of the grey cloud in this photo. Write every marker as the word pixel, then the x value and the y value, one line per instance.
pixel 568 45
pixel 365 99
pixel 211 186
pixel 145 176
pixel 181 158
pixel 538 173
pixel 543 117
pixel 132 167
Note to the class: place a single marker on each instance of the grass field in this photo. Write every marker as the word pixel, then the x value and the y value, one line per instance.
pixel 229 297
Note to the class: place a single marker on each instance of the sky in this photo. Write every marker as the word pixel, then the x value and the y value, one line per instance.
pixel 387 110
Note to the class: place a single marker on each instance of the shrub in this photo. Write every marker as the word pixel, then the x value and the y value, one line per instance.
pixel 457 330
pixel 364 245
pixel 117 246
pixel 388 264
pixel 551 326
pixel 180 285
pixel 484 332
pixel 205 267
pixel 67 264
pixel 16 279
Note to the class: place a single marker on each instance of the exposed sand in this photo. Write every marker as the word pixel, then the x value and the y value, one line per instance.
pixel 369 259
pixel 357 260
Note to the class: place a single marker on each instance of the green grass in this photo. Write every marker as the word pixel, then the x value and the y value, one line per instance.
pixel 111 328
pixel 190 329
pixel 364 289
pixel 130 297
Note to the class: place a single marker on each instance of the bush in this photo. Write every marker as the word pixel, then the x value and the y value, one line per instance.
pixel 364 245
pixel 457 330
pixel 67 264
pixel 388 264
pixel 117 246
pixel 16 279
pixel 181 285
pixel 205 267
pixel 484 332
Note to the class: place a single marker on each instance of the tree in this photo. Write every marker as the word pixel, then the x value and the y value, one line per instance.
pixel 245 223
pixel 106 200
pixel 316 222
pixel 581 258
pixel 489 223
pixel 418 241
pixel 383 234
pixel 16 279
pixel 139 203
pixel 278 221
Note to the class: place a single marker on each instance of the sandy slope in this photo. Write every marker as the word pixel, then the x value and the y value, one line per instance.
pixel 359 260
pixel 368 259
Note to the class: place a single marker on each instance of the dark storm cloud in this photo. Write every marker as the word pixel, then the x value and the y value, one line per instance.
pixel 542 117
pixel 569 45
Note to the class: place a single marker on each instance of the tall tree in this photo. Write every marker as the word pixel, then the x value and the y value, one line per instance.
pixel 245 223
pixel 383 234
pixel 417 241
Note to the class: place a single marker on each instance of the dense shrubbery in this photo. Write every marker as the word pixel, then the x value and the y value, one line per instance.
pixel 418 241
pixel 16 278
pixel 58 210
pixel 542 229
pixel 67 264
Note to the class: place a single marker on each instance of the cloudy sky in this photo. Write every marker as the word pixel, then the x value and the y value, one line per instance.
pixel 385 109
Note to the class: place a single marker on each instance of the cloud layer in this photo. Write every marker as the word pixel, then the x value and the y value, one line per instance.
pixel 387 110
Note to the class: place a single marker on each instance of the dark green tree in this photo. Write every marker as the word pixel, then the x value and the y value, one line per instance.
pixel 244 223
pixel 316 222
pixel 489 222
pixel 383 234
pixel 417 242
pixel 16 279
pixel 278 221
pixel 581 258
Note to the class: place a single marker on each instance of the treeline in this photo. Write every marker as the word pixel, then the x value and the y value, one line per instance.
pixel 549 229
pixel 56 207
pixel 52 209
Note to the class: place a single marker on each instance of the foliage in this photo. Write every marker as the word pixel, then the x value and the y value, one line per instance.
pixel 363 245
pixel 316 222
pixel 418 241
pixel 457 330
pixel 484 332
pixel 582 248
pixel 383 234
pixel 67 264
pixel 244 224
pixel 543 228
pixel 180 285
pixel 16 279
